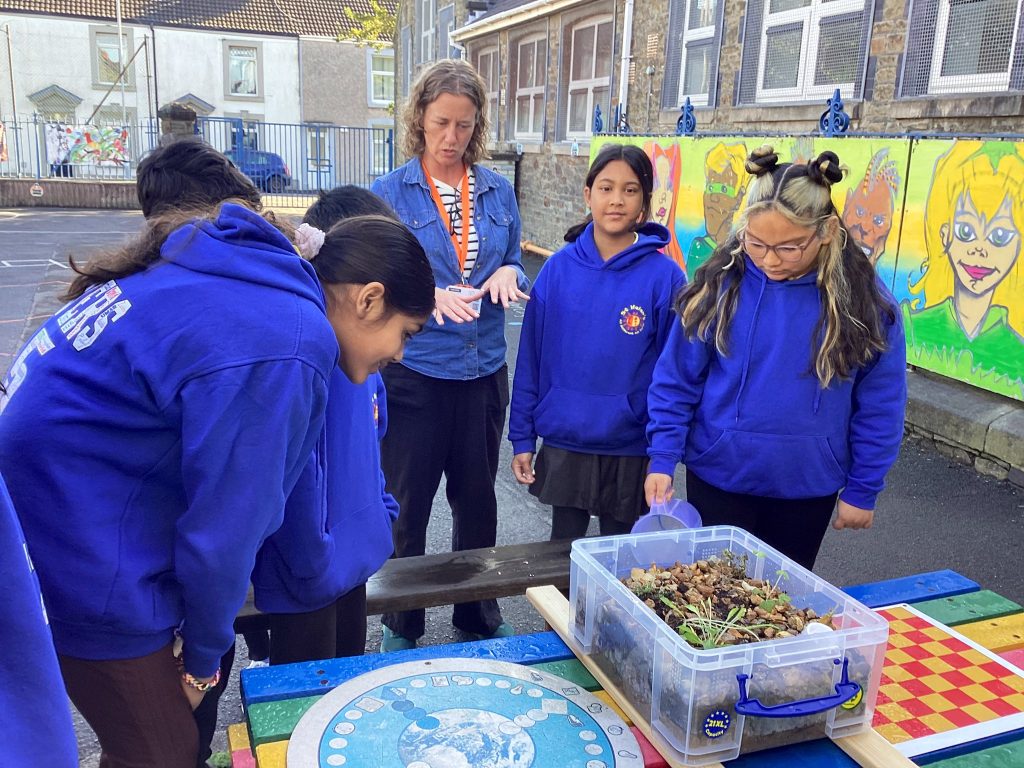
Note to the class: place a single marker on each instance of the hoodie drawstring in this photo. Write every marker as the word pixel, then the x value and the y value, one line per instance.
pixel 749 345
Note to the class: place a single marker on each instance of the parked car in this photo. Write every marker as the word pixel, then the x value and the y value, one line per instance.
pixel 267 170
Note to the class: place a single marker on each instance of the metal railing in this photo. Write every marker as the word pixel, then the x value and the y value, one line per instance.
pixel 290 163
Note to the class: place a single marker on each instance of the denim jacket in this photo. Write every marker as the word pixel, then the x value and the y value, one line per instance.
pixel 459 350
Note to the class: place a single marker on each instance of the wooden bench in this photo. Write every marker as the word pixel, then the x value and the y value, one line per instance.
pixel 452 577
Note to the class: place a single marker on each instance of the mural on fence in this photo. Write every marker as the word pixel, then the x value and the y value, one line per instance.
pixel 963 299
pixel 941 220
pixel 86 145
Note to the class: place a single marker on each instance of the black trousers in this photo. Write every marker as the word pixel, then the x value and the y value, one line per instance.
pixel 795 527
pixel 449 427
pixel 572 523
pixel 336 630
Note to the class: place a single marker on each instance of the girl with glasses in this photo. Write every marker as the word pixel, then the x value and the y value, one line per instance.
pixel 783 387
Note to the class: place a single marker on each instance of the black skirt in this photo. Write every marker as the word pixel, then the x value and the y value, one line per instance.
pixel 602 485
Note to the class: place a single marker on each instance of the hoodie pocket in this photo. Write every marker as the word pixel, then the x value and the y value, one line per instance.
pixel 779 466
pixel 587 420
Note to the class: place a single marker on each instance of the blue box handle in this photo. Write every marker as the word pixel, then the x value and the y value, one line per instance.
pixel 845 691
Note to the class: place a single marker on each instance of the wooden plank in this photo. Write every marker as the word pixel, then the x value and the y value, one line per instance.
pixel 572 670
pixel 238 737
pixel 315 678
pixel 998 635
pixel 912 589
pixel 1009 755
pixel 868 749
pixel 652 757
pixel 971 606
pixel 275 720
pixel 1014 657
pixel 454 577
pixel 554 608
pixel 272 755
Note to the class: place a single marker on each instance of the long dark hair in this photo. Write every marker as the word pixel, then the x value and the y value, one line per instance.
pixel 140 253
pixel 344 202
pixel 188 173
pixel 855 313
pixel 368 249
pixel 639 163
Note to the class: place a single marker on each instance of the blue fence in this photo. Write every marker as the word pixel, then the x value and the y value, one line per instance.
pixel 289 162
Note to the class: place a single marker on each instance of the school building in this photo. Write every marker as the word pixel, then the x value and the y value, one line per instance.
pixel 556 69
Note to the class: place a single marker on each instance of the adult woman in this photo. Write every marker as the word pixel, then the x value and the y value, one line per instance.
pixel 155 427
pixel 447 400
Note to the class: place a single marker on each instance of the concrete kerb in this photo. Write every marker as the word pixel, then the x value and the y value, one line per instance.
pixel 967 424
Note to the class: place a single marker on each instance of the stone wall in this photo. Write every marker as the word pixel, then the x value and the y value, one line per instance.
pixel 67 193
pixel 551 195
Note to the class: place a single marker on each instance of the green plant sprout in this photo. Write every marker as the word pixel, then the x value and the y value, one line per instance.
pixel 703 629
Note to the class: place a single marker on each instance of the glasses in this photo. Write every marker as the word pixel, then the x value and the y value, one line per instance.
pixel 454 217
pixel 713 188
pixel 758 250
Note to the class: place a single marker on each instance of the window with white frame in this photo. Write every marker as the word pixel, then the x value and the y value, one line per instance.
pixel 107 56
pixel 319 139
pixel 489 67
pixel 530 81
pixel 426 19
pixel 590 69
pixel 808 48
pixel 698 52
pixel 381 76
pixel 243 70
pixel 973 43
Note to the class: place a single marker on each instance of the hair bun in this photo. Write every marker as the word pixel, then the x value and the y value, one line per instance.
pixel 762 160
pixel 825 169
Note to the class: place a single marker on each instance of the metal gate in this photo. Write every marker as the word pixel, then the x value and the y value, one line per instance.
pixel 291 163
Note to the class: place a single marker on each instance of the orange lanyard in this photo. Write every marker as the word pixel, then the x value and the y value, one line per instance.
pixel 461 249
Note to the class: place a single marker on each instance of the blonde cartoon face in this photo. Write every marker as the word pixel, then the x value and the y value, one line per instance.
pixel 981 252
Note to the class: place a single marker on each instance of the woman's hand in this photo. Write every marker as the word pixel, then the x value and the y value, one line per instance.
pixel 849 516
pixel 522 468
pixel 503 286
pixel 455 306
pixel 658 488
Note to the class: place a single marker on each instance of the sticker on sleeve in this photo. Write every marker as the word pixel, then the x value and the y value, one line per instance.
pixel 716 724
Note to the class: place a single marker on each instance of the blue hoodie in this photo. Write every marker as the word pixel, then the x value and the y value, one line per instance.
pixel 591 335
pixel 337 525
pixel 35 718
pixel 756 421
pixel 155 428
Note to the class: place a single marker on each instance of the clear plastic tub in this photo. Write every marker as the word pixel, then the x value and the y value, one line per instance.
pixel 712 705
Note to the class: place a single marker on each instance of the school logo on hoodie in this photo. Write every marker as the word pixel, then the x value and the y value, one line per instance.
pixel 632 319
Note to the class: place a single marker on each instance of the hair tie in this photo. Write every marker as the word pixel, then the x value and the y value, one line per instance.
pixel 308 241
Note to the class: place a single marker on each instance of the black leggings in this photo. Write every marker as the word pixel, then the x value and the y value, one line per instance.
pixel 334 631
pixel 572 523
pixel 795 527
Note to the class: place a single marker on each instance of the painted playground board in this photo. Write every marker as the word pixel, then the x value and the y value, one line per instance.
pixel 462 713
pixel 939 689
pixel 941 219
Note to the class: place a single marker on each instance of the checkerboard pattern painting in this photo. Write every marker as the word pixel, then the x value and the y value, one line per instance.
pixel 935 682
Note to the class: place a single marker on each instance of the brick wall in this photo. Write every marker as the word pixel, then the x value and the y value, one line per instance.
pixel 882 111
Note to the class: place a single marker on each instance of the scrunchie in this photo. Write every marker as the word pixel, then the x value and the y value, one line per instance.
pixel 308 241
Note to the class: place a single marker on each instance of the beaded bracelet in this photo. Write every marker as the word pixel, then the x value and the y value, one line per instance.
pixel 186 677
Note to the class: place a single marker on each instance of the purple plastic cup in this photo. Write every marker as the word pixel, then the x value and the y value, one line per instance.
pixel 670 516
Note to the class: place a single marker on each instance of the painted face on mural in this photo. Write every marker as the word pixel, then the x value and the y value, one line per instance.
pixel 721 201
pixel 661 197
pixel 868 217
pixel 981 252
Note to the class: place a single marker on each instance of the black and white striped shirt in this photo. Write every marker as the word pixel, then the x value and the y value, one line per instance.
pixel 451 199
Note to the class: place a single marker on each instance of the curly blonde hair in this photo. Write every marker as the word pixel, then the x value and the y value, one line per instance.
pixel 458 78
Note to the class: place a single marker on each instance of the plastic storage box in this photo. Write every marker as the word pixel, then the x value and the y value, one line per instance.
pixel 711 705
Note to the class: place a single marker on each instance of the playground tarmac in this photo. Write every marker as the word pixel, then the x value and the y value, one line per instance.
pixel 935 513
